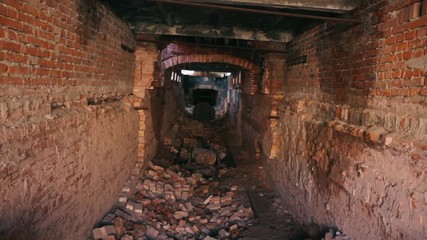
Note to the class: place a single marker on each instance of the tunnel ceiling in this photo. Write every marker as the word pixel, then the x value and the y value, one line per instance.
pixel 255 20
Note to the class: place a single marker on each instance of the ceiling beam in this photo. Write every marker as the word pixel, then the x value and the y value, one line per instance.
pixel 263 47
pixel 202 30
pixel 257 11
pixel 318 5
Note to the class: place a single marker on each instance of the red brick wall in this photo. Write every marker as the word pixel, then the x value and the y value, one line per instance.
pixel 348 147
pixel 61 161
pixel 175 54
pixel 58 177
pixel 74 43
pixel 146 68
pixel 366 68
pixel 158 100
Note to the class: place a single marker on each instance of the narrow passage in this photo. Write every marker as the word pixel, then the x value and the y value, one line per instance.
pixel 198 188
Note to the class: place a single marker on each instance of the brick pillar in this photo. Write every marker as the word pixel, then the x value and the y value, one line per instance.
pixel 274 74
pixel 145 78
pixel 145 68
pixel 147 142
pixel 249 82
pixel 253 82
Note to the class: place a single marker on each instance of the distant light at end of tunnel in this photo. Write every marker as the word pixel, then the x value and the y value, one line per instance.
pixel 196 73
pixel 187 72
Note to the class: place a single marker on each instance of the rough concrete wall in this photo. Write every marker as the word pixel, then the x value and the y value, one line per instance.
pixel 66 142
pixel 351 130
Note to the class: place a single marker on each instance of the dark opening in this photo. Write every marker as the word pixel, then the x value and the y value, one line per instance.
pixel 204 112
pixel 205 95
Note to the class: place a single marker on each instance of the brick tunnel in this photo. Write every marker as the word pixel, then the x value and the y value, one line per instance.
pixel 320 105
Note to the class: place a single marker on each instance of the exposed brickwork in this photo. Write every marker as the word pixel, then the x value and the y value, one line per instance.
pixel 174 55
pixel 62 161
pixel 155 121
pixel 65 170
pixel 147 139
pixel 250 84
pixel 349 147
pixel 146 74
pixel 273 78
pixel 209 58
pixel 70 43
pixel 342 129
pixel 72 51
pixel 366 68
pixel 348 179
pixel 159 106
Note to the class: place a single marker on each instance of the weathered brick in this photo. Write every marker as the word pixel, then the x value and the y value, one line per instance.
pixel 31 55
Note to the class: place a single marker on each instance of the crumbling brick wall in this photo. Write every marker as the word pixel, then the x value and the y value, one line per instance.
pixel 158 107
pixel 66 142
pixel 350 147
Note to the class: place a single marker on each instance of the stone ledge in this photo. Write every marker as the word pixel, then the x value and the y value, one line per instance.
pixel 417 149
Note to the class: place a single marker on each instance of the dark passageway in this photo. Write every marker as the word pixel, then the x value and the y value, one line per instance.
pixel 203 119
pixel 208 96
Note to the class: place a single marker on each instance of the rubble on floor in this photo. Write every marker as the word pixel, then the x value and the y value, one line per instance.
pixel 191 192
pixel 335 235
pixel 175 203
pixel 180 201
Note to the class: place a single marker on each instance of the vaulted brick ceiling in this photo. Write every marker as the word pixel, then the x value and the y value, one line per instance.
pixel 255 20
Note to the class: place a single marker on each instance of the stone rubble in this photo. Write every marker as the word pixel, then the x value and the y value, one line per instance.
pixel 175 203
pixel 184 199
pixel 103 232
pixel 204 156
pixel 335 235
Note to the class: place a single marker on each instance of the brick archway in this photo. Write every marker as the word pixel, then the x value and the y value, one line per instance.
pixel 250 86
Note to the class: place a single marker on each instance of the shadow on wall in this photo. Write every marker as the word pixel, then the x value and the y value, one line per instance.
pixel 343 67
pixel 89 18
pixel 158 110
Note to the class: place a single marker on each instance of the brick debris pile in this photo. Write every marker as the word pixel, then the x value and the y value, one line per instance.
pixel 174 203
pixel 335 235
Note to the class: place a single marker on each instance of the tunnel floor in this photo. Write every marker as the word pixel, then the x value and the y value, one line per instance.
pixel 198 188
